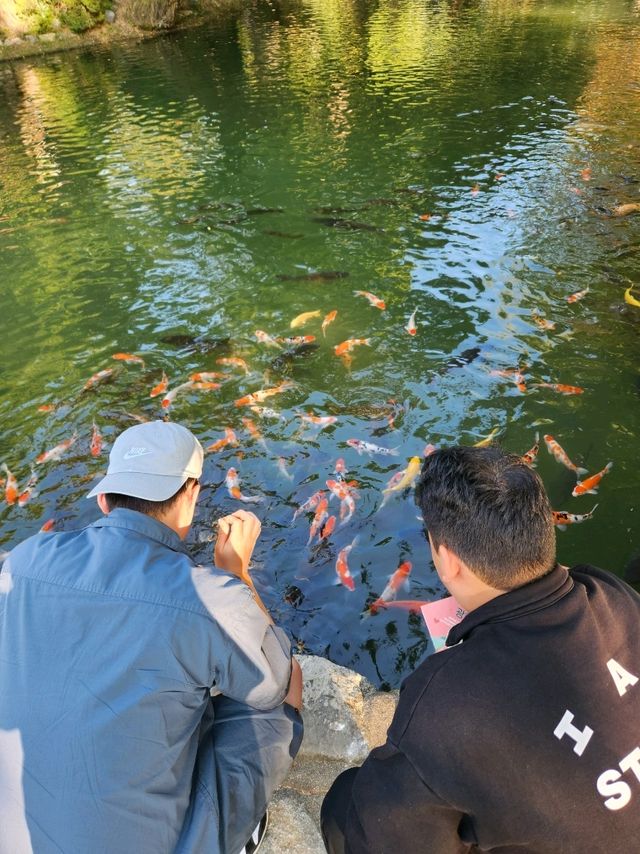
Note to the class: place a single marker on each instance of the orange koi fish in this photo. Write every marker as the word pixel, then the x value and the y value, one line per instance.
pixel 208 376
pixel 412 605
pixel 254 432
pixel 318 519
pixel 329 318
pixel 578 295
pixel 328 528
pixel 499 176
pixel 58 451
pixel 263 393
pixel 561 388
pixel 347 508
pixel 340 488
pixel 585 174
pixel 29 491
pixel 171 395
pixel 399 579
pixel 309 504
pixel 320 421
pixel 303 318
pixel 297 340
pixel 348 345
pixel 516 374
pixel 96 441
pixel 129 358
pixel 11 486
pixel 542 322
pixel 589 486
pixel 342 568
pixel 340 467
pixel 47 407
pixel 229 439
pixel 529 459
pixel 100 377
pixel 264 338
pixel 162 386
pixel 425 217
pixel 411 325
pixel 561 518
pixel 232 482
pixel 375 301
pixel 234 362
pixel 48 525
pixel 203 385
pixel 561 455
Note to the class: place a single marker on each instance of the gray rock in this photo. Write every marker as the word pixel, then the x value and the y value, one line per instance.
pixel 31 38
pixel 343 714
pixel 47 37
pixel 11 42
pixel 291 828
pixel 109 16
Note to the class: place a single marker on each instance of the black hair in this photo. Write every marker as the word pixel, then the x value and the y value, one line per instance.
pixel 491 510
pixel 143 505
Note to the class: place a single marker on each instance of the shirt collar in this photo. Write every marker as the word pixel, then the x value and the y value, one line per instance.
pixel 131 520
pixel 523 600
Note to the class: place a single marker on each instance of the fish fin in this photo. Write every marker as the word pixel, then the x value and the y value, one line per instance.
pixel 593 509
pixel 406 584
pixel 394 451
pixel 561 527
pixel 593 491
pixel 580 471
pixel 608 466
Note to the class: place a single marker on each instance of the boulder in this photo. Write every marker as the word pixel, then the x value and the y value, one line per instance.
pixel 47 37
pixel 344 716
pixel 110 16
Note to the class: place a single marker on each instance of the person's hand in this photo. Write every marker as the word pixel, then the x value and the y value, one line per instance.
pixel 237 535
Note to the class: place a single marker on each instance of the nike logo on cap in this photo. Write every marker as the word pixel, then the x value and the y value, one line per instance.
pixel 136 452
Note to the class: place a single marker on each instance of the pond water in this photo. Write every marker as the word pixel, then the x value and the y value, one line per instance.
pixel 463 160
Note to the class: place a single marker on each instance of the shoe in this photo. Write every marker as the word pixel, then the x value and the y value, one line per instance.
pixel 257 836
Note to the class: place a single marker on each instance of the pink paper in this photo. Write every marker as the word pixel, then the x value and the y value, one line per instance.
pixel 440 618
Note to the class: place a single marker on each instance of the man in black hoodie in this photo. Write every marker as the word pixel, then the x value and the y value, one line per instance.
pixel 523 735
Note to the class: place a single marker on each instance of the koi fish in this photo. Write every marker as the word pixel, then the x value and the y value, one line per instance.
pixel 499 176
pixel 342 568
pixel 162 386
pixel 589 486
pixel 375 301
pixel 398 579
pixel 585 174
pixel 340 488
pixel 484 443
pixel 207 377
pixel 561 388
pixel 561 518
pixel 303 318
pixel 561 455
pixel 625 210
pixel 320 421
pixel 425 217
pixel 348 345
pixel 408 476
pixel 529 459
pixel 429 449
pixel 254 432
pixel 228 439
pixel 370 448
pixel 96 441
pixel 232 482
pixel 516 374
pixel 129 358
pixel 347 509
pixel 578 295
pixel 414 606
pixel 58 451
pixel 328 318
pixel 47 407
pixel 309 504
pixel 234 362
pixel 297 340
pixel 204 385
pixel 99 377
pixel 475 189
pixel 263 338
pixel 542 322
pixel 11 486
pixel 389 489
pixel 318 519
pixel 328 527
pixel 282 468
pixel 263 393
pixel 29 491
pixel 411 325
pixel 48 526
pixel 340 467
pixel 627 294
pixel 171 395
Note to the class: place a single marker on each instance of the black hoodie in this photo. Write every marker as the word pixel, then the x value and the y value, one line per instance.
pixel 523 736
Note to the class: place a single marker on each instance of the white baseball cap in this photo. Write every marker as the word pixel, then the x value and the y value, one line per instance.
pixel 152 461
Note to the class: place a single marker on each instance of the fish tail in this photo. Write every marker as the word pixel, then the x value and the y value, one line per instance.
pixel 580 471
pixel 394 451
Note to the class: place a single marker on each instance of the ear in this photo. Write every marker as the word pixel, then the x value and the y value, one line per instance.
pixel 102 503
pixel 449 564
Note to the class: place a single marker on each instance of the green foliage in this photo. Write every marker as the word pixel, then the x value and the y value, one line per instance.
pixel 78 15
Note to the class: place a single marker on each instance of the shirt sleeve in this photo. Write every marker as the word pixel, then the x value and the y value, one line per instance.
pixel 250 658
pixel 392 809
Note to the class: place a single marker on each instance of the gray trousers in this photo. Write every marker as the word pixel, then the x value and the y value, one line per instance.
pixel 243 756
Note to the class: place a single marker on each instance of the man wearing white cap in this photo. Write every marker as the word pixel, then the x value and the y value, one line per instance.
pixel 147 704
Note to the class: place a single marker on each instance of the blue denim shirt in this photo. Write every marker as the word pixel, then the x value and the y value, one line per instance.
pixel 111 638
